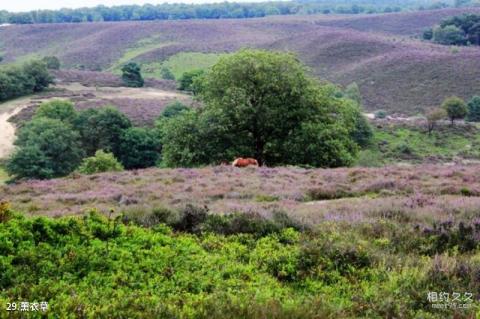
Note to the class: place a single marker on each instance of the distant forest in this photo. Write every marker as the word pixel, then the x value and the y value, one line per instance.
pixel 224 10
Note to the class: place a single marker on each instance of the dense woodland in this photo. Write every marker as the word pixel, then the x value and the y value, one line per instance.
pixel 223 10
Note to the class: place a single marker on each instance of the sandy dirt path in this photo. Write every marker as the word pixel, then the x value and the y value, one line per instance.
pixel 7 129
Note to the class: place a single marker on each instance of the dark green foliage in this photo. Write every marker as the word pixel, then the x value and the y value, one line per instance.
pixel 262 104
pixel 139 147
pixel 427 34
pixel 18 81
pixel 101 129
pixel 455 107
pixel 47 148
pixel 101 162
pixel 52 62
pixel 131 75
pixel 320 145
pixel 186 82
pixel 183 141
pixel 458 30
pixel 474 109
pixel 166 74
pixel 380 114
pixel 57 109
pixel 363 132
pixel 195 219
pixel 448 235
pixel 30 162
pixel 449 35
pixel 37 70
pixel 352 92
pixel 173 109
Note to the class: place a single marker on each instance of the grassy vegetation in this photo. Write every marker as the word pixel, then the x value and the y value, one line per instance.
pixel 141 47
pixel 246 266
pixel 394 143
pixel 181 63
pixel 3 175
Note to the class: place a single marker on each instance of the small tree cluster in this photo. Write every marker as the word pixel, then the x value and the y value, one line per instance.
pixel 58 137
pixel 458 30
pixel 131 75
pixel 30 78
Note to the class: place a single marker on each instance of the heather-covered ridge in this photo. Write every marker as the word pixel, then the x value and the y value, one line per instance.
pixel 418 193
pixel 394 72
pixel 411 24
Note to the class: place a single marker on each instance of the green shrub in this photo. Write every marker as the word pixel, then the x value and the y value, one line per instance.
pixel 101 162
pixel 131 75
pixel 474 109
pixel 52 62
pixel 187 81
pixel 173 109
pixel 381 114
pixel 57 109
pixel 166 74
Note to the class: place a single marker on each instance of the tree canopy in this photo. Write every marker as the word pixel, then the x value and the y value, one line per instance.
pixel 101 129
pixel 131 75
pixel 262 104
pixel 455 107
pixel 457 30
pixel 16 81
pixel 139 147
pixel 47 148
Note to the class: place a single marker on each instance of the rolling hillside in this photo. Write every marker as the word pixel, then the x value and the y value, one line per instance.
pixel 394 71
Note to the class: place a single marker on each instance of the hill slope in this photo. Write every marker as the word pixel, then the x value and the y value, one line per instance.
pixel 394 72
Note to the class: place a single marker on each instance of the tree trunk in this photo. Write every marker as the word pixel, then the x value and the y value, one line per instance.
pixel 259 146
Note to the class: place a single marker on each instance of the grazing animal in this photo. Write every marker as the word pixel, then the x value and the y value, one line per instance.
pixel 244 162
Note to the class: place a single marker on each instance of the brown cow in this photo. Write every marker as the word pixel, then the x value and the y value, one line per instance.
pixel 244 162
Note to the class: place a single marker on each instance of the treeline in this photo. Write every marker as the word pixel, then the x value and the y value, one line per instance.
pixel 216 11
pixel 16 81
pixel 458 30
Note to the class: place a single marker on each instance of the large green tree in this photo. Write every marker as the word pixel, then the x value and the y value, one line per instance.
pixel 46 148
pixel 258 103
